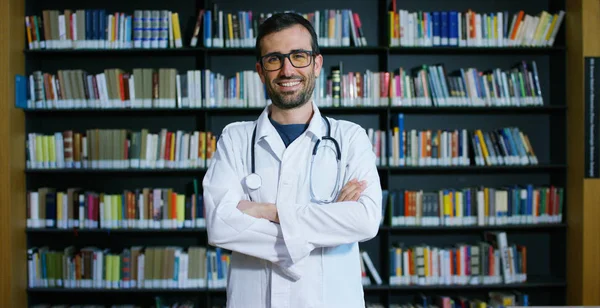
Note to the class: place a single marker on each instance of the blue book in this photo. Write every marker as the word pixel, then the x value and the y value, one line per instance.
pixel 21 91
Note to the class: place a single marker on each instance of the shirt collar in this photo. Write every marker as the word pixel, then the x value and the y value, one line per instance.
pixel 264 128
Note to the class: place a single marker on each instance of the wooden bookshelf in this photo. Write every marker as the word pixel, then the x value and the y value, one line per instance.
pixel 583 258
pixel 577 234
pixel 13 283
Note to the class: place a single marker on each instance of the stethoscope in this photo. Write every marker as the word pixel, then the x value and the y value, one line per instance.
pixel 253 180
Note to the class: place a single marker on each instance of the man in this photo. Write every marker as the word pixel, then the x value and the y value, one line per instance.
pixel 289 249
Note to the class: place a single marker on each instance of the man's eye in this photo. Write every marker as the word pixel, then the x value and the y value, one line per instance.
pixel 272 59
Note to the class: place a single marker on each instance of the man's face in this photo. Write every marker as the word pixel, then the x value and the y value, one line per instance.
pixel 289 87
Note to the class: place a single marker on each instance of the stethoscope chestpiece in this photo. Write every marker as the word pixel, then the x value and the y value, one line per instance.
pixel 253 181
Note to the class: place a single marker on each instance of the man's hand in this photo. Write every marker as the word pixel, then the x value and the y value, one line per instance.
pixel 352 190
pixel 259 210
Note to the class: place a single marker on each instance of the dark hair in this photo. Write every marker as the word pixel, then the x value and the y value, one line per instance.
pixel 281 21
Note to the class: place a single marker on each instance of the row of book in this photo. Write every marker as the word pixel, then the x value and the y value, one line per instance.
pixel 475 206
pixel 140 208
pixel 164 208
pixel 493 260
pixel 423 86
pixel 152 28
pixel 133 149
pixel 99 29
pixel 215 28
pixel 473 29
pixel 137 267
pixel 399 147
pixel 120 149
pixel 339 27
pixel 494 299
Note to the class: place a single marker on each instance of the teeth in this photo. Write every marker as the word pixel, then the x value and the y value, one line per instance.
pixel 290 84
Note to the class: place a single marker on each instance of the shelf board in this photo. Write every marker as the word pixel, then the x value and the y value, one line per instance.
pixel 191 51
pixel 117 171
pixel 324 50
pixel 200 51
pixel 255 111
pixel 476 50
pixel 545 283
pixel 477 169
pixel 414 229
pixel 520 227
pixel 108 231
pixel 480 110
pixel 393 170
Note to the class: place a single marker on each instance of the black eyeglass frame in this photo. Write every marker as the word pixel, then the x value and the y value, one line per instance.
pixel 282 58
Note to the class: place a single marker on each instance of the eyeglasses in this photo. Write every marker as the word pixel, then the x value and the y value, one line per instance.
pixel 298 59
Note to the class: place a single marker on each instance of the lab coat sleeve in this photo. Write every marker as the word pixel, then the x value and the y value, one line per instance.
pixel 228 227
pixel 308 226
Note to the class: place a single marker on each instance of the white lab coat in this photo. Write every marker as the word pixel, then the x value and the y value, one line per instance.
pixel 310 259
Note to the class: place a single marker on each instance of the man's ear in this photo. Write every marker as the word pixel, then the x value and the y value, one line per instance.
pixel 259 70
pixel 318 64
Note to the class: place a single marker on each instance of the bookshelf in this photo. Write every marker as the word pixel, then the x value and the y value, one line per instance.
pixel 550 279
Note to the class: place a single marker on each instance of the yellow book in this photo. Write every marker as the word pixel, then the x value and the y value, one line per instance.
pixel 426 261
pixel 45 149
pixel 552 25
pixel 172 149
pixel 52 150
pixel 59 208
pixel 108 269
pixel 116 266
pixel 399 264
pixel 114 210
pixel 180 208
pixel 483 145
pixel 391 25
pixel 176 29
pixel 230 28
pixel 39 150
pixel 458 198
pixel 486 196
pixel 119 202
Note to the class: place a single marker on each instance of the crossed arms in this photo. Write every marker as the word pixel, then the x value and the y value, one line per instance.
pixel 286 232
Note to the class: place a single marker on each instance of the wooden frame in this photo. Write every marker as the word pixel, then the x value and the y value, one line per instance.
pixel 583 195
pixel 583 275
pixel 13 257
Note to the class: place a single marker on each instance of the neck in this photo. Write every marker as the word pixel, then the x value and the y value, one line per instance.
pixel 300 115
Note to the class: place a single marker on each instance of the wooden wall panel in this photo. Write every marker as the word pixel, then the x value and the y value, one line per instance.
pixel 583 196
pixel 13 261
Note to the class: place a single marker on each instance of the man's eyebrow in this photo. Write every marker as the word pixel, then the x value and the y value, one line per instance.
pixel 301 49
pixel 272 53
pixel 279 53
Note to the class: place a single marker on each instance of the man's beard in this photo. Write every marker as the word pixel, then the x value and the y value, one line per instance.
pixel 287 100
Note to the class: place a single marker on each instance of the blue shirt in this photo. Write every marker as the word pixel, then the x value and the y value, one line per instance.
pixel 289 132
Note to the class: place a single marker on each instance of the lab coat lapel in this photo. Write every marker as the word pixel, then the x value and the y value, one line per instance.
pixel 267 136
pixel 265 131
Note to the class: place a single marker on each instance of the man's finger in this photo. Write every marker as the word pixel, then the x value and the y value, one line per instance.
pixel 346 189
pixel 350 193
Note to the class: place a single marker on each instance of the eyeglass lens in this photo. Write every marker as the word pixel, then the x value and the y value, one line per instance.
pixel 298 59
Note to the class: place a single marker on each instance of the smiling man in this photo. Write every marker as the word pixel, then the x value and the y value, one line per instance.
pixel 294 192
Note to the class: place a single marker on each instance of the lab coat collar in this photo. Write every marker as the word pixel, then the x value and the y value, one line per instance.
pixel 264 128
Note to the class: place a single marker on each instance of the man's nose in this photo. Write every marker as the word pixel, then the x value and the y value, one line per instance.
pixel 287 69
